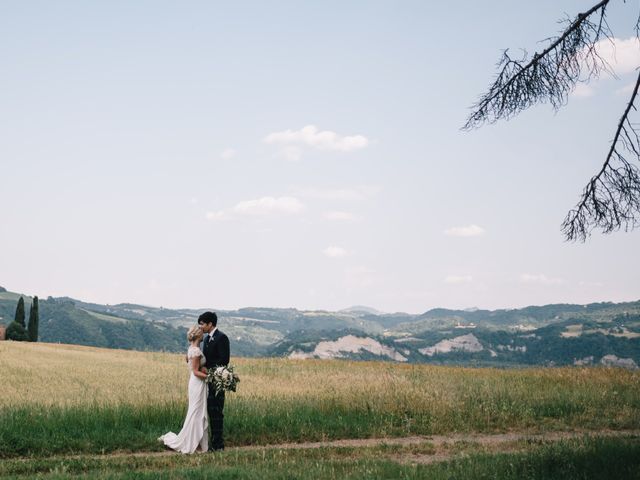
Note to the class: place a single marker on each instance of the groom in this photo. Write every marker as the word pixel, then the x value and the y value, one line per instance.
pixel 215 346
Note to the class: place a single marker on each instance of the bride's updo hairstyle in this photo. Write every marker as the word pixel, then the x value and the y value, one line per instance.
pixel 194 333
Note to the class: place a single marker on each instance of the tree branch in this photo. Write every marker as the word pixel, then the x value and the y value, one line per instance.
pixel 604 209
pixel 549 75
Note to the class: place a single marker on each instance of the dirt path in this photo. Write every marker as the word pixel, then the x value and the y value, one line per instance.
pixel 440 440
pixel 439 446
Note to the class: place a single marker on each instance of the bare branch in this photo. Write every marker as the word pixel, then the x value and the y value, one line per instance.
pixel 548 76
pixel 637 25
pixel 611 199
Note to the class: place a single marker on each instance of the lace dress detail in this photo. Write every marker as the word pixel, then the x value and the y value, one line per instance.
pixel 195 352
pixel 195 430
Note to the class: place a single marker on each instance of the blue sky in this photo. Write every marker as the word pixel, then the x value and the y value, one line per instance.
pixel 303 154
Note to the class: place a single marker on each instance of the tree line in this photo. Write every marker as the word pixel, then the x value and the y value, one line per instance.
pixel 18 330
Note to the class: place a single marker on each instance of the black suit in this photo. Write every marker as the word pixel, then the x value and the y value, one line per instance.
pixel 216 351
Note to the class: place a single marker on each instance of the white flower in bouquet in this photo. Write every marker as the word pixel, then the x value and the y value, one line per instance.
pixel 223 378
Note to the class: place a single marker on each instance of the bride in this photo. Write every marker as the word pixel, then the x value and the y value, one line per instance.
pixel 194 432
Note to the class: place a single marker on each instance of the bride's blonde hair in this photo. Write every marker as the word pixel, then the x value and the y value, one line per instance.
pixel 194 333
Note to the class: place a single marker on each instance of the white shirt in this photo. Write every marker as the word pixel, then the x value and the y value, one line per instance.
pixel 211 334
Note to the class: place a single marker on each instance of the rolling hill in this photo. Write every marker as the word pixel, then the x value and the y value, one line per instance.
pixel 560 334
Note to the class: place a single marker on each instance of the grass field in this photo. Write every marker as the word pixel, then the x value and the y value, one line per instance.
pixel 61 399
pixel 588 458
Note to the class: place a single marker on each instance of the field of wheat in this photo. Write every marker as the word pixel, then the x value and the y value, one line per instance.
pixel 61 398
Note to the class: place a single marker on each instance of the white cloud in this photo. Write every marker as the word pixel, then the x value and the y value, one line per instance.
pixel 311 137
pixel 291 153
pixel 583 283
pixel 269 205
pixel 583 91
pixel 540 279
pixel 214 216
pixel 623 56
pixel 468 231
pixel 194 201
pixel 358 193
pixel 339 216
pixel 260 207
pixel 456 279
pixel 335 252
pixel 228 153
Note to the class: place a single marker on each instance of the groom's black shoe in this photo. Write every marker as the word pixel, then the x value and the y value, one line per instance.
pixel 216 447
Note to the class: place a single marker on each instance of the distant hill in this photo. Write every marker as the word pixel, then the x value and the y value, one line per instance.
pixel 559 334
pixel 362 309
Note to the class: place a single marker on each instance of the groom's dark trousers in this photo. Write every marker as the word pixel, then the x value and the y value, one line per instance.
pixel 216 351
pixel 215 405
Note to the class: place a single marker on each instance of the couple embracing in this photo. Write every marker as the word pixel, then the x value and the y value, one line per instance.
pixel 208 348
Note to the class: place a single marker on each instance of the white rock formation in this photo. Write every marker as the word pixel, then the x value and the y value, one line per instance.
pixel 583 361
pixel 407 340
pixel 349 344
pixel 463 343
pixel 613 361
pixel 511 348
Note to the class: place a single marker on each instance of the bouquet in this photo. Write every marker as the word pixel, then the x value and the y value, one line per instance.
pixel 223 378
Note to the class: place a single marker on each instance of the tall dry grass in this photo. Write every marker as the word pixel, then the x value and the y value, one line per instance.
pixel 79 390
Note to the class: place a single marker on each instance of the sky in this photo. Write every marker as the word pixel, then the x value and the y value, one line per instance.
pixel 297 154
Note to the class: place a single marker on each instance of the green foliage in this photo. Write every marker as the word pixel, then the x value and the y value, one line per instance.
pixel 599 458
pixel 19 316
pixel 63 322
pixel 17 332
pixel 91 429
pixel 33 320
pixel 608 329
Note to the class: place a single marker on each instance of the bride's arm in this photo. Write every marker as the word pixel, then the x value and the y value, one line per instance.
pixel 195 366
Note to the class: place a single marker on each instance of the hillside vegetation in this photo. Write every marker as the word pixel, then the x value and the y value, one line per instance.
pixel 552 335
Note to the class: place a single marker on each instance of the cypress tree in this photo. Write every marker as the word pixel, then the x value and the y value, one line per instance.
pixel 33 320
pixel 20 312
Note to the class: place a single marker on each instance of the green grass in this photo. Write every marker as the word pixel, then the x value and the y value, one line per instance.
pixel 58 399
pixel 593 459
pixel 30 431
pixel 604 458
pixel 103 316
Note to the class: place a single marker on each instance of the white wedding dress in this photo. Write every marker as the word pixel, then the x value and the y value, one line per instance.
pixel 195 431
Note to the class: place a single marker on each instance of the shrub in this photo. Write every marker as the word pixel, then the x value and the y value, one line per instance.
pixel 17 332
